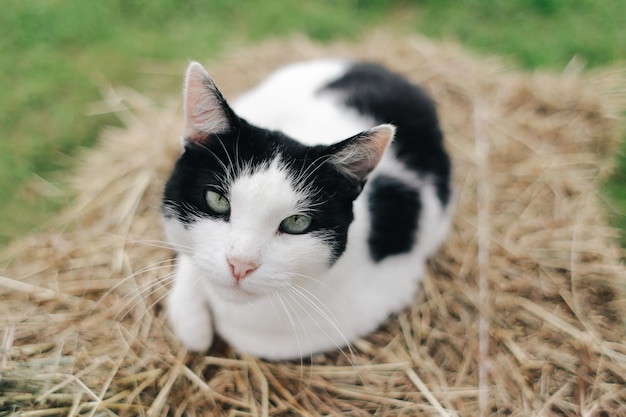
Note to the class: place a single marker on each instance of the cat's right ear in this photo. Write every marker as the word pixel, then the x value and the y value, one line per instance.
pixel 206 110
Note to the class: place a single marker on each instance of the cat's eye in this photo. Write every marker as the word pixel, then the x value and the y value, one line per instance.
pixel 217 203
pixel 296 224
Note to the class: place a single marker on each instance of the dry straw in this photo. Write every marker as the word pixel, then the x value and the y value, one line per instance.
pixel 521 312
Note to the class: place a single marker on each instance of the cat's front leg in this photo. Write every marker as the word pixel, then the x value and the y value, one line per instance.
pixel 187 309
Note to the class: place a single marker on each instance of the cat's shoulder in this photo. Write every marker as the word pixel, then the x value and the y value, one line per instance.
pixel 328 74
pixel 305 77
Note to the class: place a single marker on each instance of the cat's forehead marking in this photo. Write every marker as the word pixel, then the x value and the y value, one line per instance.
pixel 265 193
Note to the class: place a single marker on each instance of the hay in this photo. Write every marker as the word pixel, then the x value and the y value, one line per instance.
pixel 521 312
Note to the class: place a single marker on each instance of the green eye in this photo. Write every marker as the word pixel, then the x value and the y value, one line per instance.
pixel 296 224
pixel 217 203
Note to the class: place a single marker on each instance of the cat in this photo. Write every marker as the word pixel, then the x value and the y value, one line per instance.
pixel 303 215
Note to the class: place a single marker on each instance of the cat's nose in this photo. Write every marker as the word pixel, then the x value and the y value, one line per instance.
pixel 241 268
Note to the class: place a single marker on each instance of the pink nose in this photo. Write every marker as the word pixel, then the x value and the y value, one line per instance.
pixel 241 269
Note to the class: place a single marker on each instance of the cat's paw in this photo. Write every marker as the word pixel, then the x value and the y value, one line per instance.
pixel 187 310
pixel 192 326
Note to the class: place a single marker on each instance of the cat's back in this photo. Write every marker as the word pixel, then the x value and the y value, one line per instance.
pixel 324 101
pixel 293 100
pixel 383 96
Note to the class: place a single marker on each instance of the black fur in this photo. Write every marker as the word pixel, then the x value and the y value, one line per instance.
pixel 395 210
pixel 386 97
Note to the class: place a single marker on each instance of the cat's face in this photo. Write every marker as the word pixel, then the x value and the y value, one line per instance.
pixel 259 213
pixel 256 211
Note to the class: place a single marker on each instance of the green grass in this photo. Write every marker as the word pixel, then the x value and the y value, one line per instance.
pixel 537 33
pixel 55 55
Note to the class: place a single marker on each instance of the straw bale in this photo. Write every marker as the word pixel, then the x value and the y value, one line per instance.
pixel 521 313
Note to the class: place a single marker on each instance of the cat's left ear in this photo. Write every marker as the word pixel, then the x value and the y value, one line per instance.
pixel 206 110
pixel 357 156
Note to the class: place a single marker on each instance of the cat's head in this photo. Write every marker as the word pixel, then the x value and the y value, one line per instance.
pixel 255 210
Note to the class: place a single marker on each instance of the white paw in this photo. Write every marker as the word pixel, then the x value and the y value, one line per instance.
pixel 192 325
pixel 187 309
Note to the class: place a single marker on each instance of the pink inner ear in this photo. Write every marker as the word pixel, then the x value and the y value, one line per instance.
pixel 384 135
pixel 192 119
pixel 365 152
pixel 204 112
pixel 195 114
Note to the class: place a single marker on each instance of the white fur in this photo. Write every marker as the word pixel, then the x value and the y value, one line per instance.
pixel 293 305
pixel 311 117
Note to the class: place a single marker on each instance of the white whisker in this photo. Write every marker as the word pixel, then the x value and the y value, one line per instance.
pixel 141 295
pixel 150 268
pixel 310 278
pixel 286 303
pixel 311 300
pixel 163 245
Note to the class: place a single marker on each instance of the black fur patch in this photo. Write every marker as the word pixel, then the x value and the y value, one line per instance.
pixel 395 210
pixel 387 97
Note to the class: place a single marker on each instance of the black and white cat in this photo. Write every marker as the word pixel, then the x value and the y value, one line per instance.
pixel 304 214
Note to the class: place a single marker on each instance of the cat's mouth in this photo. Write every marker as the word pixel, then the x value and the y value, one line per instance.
pixel 237 292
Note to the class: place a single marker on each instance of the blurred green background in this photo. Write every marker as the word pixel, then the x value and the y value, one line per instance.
pixel 57 56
